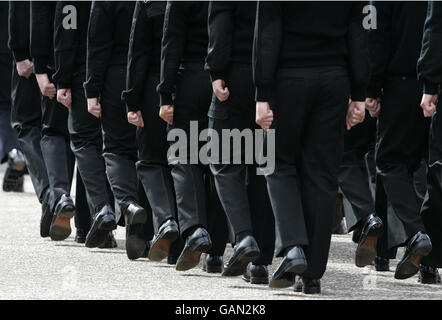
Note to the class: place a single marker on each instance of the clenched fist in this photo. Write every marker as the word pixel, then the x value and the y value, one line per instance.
pixel 46 87
pixel 94 107
pixel 166 113
pixel 25 68
pixel 220 90
pixel 64 96
pixel 264 115
pixel 135 118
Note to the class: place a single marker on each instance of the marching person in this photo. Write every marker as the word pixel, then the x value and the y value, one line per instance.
pixel 429 70
pixel 242 192
pixel 394 94
pixel 308 61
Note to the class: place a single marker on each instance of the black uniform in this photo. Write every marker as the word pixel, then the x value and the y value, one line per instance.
pixel 84 128
pixel 26 111
pixel 402 128
pixel 242 192
pixel 309 58
pixel 430 73
pixel 55 137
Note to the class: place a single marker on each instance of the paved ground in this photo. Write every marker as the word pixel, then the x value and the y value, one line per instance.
pixel 36 268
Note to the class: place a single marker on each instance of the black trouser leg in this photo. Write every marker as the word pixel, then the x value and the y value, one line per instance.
pixel 152 167
pixel 401 132
pixel 83 212
pixel 120 150
pixel 26 117
pixel 87 145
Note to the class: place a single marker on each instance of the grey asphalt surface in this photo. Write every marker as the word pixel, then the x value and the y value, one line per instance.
pixel 35 268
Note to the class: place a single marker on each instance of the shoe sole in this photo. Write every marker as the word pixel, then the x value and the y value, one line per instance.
pixel 12 181
pixel 98 233
pixel 366 251
pixel 239 267
pixel 61 226
pixel 192 258
pixel 294 267
pixel 161 248
pixel 213 269
pixel 410 266
pixel 45 223
pixel 256 280
pixel 313 290
pixel 135 245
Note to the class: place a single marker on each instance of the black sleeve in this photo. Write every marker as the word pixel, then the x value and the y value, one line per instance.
pixel 429 66
pixel 266 47
pixel 65 47
pixel 140 45
pixel 379 43
pixel 359 62
pixel 19 15
pixel 220 26
pixel 99 47
pixel 41 35
pixel 172 47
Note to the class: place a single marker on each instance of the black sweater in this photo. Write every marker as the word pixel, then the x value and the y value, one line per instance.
pixel 4 11
pixel 231 28
pixel 19 19
pixel 396 43
pixel 184 41
pixel 429 67
pixel 310 34
pixel 144 50
pixel 70 44
pixel 42 33
pixel 107 41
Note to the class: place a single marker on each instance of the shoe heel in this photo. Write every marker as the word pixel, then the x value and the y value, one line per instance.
pixel 424 251
pixel 171 234
pixel 297 267
pixel 67 212
pixel 202 245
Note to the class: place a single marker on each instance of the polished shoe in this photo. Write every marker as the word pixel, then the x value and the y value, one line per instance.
pixel 298 284
pixel 13 178
pixel 136 218
pixel 80 236
pixel 418 247
pixel 61 221
pixel 293 263
pixel 245 251
pixel 429 275
pixel 46 215
pixel 109 243
pixel 172 259
pixel 382 264
pixel 166 235
pixel 212 264
pixel 196 243
pixel 103 222
pixel 311 286
pixel 366 250
pixel 146 251
pixel 356 235
pixel 256 274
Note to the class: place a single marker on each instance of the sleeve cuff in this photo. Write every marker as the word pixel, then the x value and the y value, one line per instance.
pixel 358 94
pixel 20 55
pixel 40 65
pixel 430 88
pixel 216 76
pixel 131 105
pixel 165 99
pixel 263 94
pixel 91 93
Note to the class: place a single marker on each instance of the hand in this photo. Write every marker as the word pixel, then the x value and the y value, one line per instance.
pixel 94 107
pixel 220 90
pixel 64 96
pixel 428 104
pixel 166 113
pixel 46 87
pixel 135 118
pixel 355 113
pixel 25 68
pixel 373 106
pixel 264 115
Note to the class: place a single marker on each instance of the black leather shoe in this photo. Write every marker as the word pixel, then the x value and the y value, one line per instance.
pixel 146 251
pixel 197 243
pixel 356 235
pixel 293 263
pixel 366 250
pixel 418 247
pixel 256 274
pixel 382 264
pixel 166 235
pixel 245 251
pixel 429 275
pixel 109 243
pixel 311 286
pixel 103 222
pixel 136 219
pixel 46 215
pixel 298 284
pixel 13 178
pixel 172 259
pixel 61 221
pixel 80 236
pixel 212 264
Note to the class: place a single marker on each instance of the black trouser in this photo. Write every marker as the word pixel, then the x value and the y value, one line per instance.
pixel 26 118
pixel 432 208
pixel 354 179
pixel 402 132
pixel 191 103
pixel 83 211
pixel 87 146
pixel 120 149
pixel 152 167
pixel 242 192
pixel 309 107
